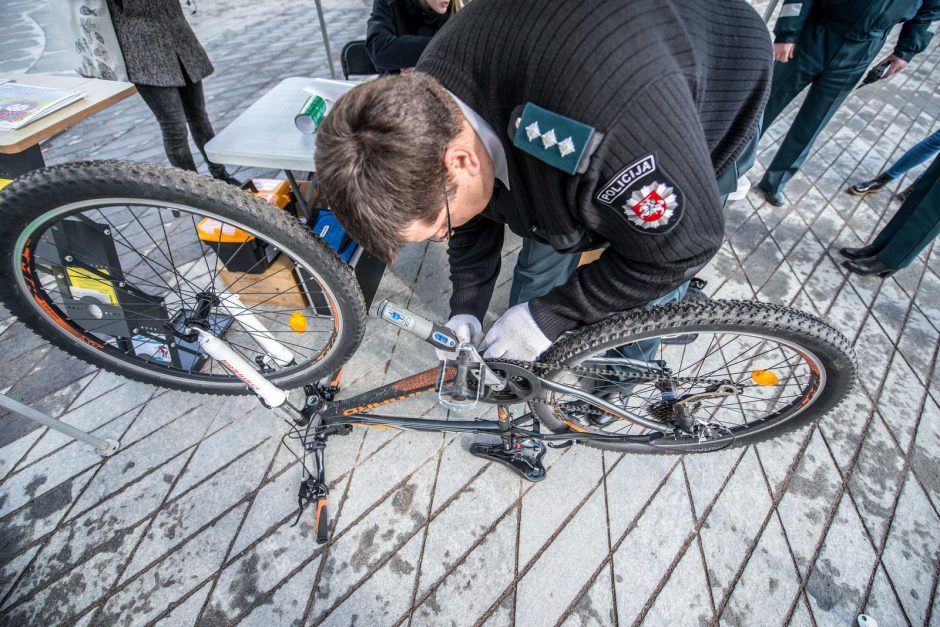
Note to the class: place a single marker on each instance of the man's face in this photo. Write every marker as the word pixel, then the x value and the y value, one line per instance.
pixel 462 208
pixel 438 6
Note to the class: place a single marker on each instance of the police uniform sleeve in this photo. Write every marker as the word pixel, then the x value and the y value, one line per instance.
pixel 915 33
pixel 790 21
pixel 651 192
pixel 474 253
pixel 388 49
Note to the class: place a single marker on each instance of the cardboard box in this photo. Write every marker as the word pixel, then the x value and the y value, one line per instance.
pixel 275 287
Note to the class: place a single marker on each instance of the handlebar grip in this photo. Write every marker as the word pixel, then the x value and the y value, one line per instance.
pixel 437 335
pixel 322 522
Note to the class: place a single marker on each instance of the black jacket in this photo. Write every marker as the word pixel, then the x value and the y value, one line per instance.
pixel 860 20
pixel 398 32
pixel 676 86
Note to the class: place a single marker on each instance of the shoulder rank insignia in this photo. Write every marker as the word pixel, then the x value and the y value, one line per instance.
pixel 558 141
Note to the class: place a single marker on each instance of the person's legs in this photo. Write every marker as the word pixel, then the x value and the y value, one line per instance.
pixel 916 223
pixel 842 65
pixel 539 269
pixel 194 105
pixel 789 79
pixel 167 107
pixel 924 150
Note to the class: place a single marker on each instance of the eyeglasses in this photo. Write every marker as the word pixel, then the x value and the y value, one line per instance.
pixel 450 230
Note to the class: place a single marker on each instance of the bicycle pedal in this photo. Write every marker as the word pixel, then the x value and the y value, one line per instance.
pixel 526 465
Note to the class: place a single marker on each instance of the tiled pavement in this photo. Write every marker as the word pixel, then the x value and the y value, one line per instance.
pixel 191 520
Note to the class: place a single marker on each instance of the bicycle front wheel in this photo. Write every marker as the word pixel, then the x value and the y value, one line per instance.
pixel 114 261
pixel 707 375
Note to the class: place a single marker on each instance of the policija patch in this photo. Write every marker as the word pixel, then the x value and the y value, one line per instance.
pixel 644 196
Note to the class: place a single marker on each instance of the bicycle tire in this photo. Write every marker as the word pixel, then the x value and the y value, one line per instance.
pixel 34 203
pixel 796 329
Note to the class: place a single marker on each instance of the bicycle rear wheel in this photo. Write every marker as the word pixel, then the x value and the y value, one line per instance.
pixel 112 261
pixel 732 373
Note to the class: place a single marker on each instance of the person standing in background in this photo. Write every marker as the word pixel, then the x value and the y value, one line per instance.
pixel 924 150
pixel 827 45
pixel 167 64
pixel 907 234
pixel 399 30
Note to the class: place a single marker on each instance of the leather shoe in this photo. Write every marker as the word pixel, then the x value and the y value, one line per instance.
pixel 858 253
pixel 774 198
pixel 872 186
pixel 869 267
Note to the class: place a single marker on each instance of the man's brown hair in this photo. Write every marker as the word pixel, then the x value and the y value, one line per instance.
pixel 380 157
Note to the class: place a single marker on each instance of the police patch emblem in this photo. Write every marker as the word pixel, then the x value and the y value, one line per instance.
pixel 644 195
pixel 651 206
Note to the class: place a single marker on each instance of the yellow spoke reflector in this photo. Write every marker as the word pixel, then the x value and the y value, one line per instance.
pixel 298 322
pixel 764 377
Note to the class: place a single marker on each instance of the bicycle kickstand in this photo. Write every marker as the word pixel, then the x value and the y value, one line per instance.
pixel 523 456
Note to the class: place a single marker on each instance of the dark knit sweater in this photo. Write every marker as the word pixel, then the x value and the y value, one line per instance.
pixel 683 81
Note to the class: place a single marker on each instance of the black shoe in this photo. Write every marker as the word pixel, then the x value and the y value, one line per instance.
pixel 902 195
pixel 873 186
pixel 774 198
pixel 221 174
pixel 869 267
pixel 859 253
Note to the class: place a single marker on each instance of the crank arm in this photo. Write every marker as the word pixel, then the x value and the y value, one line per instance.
pixel 617 412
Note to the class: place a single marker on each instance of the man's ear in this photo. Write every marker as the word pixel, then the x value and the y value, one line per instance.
pixel 460 158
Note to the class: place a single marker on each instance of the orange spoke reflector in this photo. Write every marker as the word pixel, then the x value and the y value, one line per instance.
pixel 764 377
pixel 298 322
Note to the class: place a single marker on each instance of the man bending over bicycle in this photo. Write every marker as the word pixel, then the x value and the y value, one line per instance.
pixel 578 125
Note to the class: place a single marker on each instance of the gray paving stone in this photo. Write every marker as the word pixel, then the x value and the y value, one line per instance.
pixel 11 454
pixel 168 580
pixel 379 600
pixel 78 588
pixel 883 603
pixel 379 474
pixel 631 483
pixel 186 514
pixel 871 347
pixel 11 572
pixel 229 443
pixel 684 599
pixel 805 505
pixel 648 550
pixel 911 552
pixel 188 611
pixel 566 566
pixel 391 525
pixel 140 458
pixel 769 582
pixel 85 536
pixel 778 457
pixel 549 502
pixel 901 401
pixel 841 571
pixel 876 480
pixel 488 570
pixel 89 417
pixel 463 523
pixel 734 523
pixel 925 460
pixel 286 606
pixel 706 475
pixel 596 607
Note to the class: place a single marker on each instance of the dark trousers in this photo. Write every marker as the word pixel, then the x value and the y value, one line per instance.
pixel 175 108
pixel 916 223
pixel 831 66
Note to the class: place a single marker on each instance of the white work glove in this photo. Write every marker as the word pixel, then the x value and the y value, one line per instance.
pixel 468 331
pixel 515 336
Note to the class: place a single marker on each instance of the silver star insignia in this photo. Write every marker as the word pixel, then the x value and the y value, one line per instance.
pixel 566 147
pixel 532 131
pixel 549 139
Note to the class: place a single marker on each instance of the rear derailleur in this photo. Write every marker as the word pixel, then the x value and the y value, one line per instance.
pixel 679 411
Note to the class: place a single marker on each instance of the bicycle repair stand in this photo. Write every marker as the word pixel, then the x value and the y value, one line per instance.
pixel 104 447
